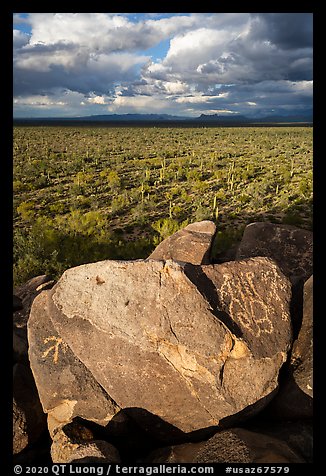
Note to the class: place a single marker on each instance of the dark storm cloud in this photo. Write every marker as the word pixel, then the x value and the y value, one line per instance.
pixel 287 31
pixel 256 99
pixel 208 56
pixel 98 81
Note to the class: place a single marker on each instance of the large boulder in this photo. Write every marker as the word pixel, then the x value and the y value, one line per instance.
pixel 192 244
pixel 156 342
pixel 66 387
pixel 289 246
pixel 236 445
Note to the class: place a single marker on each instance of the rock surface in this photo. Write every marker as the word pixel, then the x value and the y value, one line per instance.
pixel 144 361
pixel 297 434
pixel 29 420
pixel 24 296
pixel 20 346
pixel 191 358
pixel 96 451
pixel 289 246
pixel 302 351
pixel 27 293
pixel 230 446
pixel 66 387
pixel 74 443
pixel 17 303
pixel 252 298
pixel 295 397
pixel 192 244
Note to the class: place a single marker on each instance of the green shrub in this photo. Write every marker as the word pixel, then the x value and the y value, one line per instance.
pixel 203 213
pixel 292 217
pixel 57 208
pixel 225 239
pixel 119 202
pixel 305 187
pixel 167 226
pixel 26 210
pixel 18 186
pixel 113 180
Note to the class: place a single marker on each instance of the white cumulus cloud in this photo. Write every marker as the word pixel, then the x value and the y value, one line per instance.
pixel 238 62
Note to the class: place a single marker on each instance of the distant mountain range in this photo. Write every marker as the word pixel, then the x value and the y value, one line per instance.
pixel 167 118
pixel 269 119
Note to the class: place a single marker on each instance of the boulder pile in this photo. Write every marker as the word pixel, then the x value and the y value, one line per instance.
pixel 172 358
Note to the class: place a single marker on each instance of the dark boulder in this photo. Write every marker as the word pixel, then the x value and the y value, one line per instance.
pixel 290 247
pixel 29 420
pixel 235 445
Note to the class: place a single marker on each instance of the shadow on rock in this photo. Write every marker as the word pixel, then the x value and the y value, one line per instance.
pixel 136 432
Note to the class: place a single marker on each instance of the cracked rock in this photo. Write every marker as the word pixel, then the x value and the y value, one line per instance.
pixel 156 342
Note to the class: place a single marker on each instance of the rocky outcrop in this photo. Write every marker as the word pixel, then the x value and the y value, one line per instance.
pixel 230 446
pixel 188 358
pixel 29 420
pixel 172 352
pixel 96 451
pixel 192 244
pixel 290 247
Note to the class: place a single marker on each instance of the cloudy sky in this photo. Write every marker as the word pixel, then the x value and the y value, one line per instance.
pixel 186 64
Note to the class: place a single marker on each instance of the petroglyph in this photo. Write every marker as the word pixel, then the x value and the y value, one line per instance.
pixel 55 347
pixel 242 299
pixel 190 344
pixel 252 298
